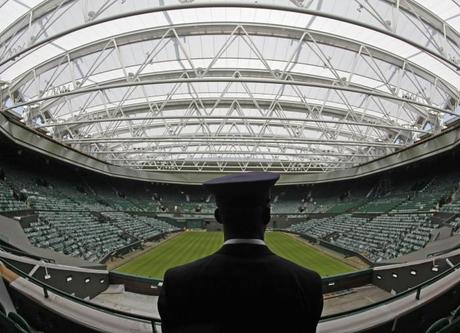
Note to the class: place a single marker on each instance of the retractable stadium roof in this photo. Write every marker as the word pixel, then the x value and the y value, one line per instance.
pixel 215 86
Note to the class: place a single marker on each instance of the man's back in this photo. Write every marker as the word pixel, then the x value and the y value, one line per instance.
pixel 241 288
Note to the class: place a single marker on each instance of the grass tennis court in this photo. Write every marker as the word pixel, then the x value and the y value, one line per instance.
pixel 190 246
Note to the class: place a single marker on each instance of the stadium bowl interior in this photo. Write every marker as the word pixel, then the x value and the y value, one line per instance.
pixel 113 114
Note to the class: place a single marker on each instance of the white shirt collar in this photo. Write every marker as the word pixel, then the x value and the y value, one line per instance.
pixel 244 241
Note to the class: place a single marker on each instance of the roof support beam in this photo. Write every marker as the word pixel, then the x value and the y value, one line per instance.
pixel 231 152
pixel 240 80
pixel 298 10
pixel 257 120
pixel 269 30
pixel 234 139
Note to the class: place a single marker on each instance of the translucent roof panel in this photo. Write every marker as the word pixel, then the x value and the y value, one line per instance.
pixel 287 86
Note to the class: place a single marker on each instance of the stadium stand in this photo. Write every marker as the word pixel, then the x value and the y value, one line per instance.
pixel 93 238
pixel 382 237
pixel 428 198
pixel 378 226
pixel 380 221
pixel 74 220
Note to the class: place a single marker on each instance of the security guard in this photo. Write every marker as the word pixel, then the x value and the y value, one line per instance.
pixel 243 287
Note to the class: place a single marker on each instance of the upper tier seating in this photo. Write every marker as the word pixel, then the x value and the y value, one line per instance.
pixel 346 206
pixel 383 204
pixel 428 198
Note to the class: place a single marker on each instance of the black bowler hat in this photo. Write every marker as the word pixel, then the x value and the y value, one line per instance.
pixel 247 189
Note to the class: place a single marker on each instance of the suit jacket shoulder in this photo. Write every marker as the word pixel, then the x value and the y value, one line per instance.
pixel 237 280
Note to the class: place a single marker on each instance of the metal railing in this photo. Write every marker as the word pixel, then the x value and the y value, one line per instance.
pixel 47 289
pixel 414 290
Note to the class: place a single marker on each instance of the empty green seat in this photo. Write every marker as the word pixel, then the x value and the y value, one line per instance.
pixel 8 326
pixel 456 313
pixel 438 325
pixel 19 321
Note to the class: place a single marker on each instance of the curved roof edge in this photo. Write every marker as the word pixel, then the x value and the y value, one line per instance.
pixel 40 143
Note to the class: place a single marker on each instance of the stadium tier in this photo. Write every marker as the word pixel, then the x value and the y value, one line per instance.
pixel 90 218
pixel 72 219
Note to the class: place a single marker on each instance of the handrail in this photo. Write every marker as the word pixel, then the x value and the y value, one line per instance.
pixel 331 278
pixel 146 279
pixel 47 288
pixel 417 289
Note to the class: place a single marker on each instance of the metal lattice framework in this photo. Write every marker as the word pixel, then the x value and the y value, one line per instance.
pixel 206 86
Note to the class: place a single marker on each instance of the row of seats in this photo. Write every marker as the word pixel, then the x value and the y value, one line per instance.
pixel 429 195
pixel 70 219
pixel 82 234
pixel 454 205
pixel 77 233
pixel 379 238
pixel 383 204
pixel 8 202
pixel 42 195
pixel 141 228
pixel 12 322
pixel 53 202
pixel 157 224
pixel 346 206
pixel 428 198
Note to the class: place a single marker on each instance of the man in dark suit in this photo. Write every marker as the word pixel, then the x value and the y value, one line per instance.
pixel 243 287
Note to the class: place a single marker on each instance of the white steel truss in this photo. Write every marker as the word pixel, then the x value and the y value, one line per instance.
pixel 299 87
